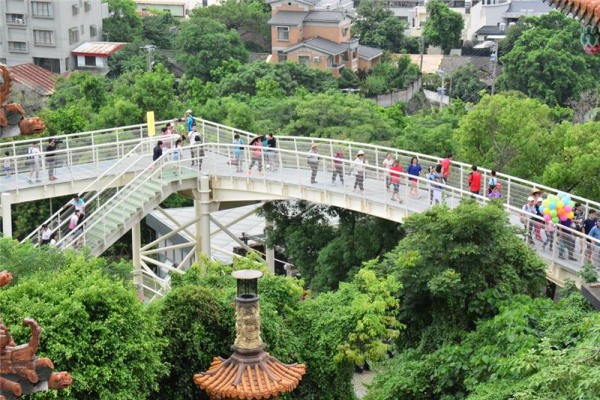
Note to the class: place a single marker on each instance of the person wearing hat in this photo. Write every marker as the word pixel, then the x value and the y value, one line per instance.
pixel 33 159
pixel 189 119
pixel 313 161
pixel 527 218
pixel 537 225
pixel 358 168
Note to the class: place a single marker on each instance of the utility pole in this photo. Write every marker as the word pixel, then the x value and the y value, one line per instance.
pixel 442 74
pixel 421 50
pixel 494 60
pixel 149 49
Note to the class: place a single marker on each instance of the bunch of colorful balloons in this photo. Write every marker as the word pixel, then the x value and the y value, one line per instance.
pixel 558 208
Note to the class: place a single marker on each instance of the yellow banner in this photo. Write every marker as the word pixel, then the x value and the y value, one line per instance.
pixel 150 119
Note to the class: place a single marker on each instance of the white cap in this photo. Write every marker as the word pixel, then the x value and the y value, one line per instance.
pixel 188 112
pixel 360 153
pixel 530 198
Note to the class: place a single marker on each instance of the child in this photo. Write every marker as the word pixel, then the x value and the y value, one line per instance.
pixel 7 164
pixel 395 171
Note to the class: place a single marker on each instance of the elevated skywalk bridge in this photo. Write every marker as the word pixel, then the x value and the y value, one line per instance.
pixel 121 184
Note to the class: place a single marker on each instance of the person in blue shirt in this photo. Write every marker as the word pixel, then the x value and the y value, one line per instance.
pixel 237 152
pixel 414 169
pixel 595 233
pixel 189 120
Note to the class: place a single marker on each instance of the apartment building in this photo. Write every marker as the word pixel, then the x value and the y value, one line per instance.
pixel 45 32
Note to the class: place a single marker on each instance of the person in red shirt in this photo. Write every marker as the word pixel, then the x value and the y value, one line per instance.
pixel 446 168
pixel 474 180
pixel 395 170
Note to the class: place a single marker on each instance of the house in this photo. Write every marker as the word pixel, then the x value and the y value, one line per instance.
pixel 45 32
pixel 177 8
pixel 94 55
pixel 29 78
pixel 490 19
pixel 317 34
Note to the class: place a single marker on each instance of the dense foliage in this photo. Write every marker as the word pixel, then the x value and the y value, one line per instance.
pixel 443 26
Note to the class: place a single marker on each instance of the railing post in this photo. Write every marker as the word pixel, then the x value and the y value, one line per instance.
pixel 6 215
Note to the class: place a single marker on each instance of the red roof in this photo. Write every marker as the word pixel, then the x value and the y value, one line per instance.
pixel 36 78
pixel 97 49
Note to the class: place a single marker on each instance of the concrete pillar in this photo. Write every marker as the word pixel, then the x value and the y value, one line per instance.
pixel 136 248
pixel 269 251
pixel 202 212
pixel 6 215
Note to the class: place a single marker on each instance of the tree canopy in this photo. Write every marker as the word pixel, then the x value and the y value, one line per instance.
pixel 545 60
pixel 443 26
pixel 377 26
pixel 123 24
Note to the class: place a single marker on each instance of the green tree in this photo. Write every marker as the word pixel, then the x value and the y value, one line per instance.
pixel 205 45
pixel 466 84
pixel 395 73
pixel 93 326
pixel 508 132
pixel 443 27
pixel 123 24
pixel 576 163
pixel 454 268
pixel 159 29
pixel 546 60
pixel 377 26
pixel 248 17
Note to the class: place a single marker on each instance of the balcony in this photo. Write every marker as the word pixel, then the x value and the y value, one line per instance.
pixel 16 20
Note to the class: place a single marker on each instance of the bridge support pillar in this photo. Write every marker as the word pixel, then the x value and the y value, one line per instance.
pixel 202 211
pixel 269 251
pixel 136 241
pixel 6 215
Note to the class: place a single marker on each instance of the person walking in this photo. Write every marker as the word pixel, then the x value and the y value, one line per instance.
pixel 395 171
pixel 46 235
pixel 237 152
pixel 386 164
pixel 195 139
pixel 77 202
pixel 436 177
pixel 446 168
pixel 338 166
pixel 313 162
pixel 271 157
pixel 588 224
pixel 33 159
pixel 50 160
pixel 358 168
pixel 595 233
pixel 527 217
pixel 256 148
pixel 474 181
pixel 189 120
pixel 6 166
pixel 177 154
pixel 567 240
pixel 414 169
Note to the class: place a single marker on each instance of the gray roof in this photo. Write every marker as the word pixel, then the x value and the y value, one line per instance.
pixel 490 30
pixel 288 18
pixel 313 2
pixel 322 45
pixel 368 53
pixel 536 7
pixel 325 16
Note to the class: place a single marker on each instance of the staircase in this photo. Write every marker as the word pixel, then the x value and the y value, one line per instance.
pixel 127 207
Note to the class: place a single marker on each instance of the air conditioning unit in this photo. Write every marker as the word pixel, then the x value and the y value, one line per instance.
pixel 316 59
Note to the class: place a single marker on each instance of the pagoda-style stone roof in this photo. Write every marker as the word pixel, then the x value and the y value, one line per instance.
pixel 249 375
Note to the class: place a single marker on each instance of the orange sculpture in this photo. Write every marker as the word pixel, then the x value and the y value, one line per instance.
pixel 12 116
pixel 21 372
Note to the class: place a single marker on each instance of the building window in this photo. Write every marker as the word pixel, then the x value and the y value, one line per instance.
pixel 43 37
pixel 283 33
pixel 15 19
pixel 304 60
pixel 17 47
pixel 73 35
pixel 67 63
pixel 281 56
pixel 90 61
pixel 345 32
pixel 41 9
pixel 93 30
pixel 87 5
pixel 51 64
pixel 345 56
pixel 75 9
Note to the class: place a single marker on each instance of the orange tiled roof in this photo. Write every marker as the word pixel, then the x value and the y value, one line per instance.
pixel 588 11
pixel 258 376
pixel 34 77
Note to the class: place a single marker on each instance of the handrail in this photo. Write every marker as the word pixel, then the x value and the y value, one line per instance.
pixel 84 190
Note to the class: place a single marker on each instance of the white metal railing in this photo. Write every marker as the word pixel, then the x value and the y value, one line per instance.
pixel 291 162
pixel 102 188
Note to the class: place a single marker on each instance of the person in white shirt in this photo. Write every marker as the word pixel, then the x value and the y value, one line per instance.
pixel 34 161
pixel 358 168
pixel 387 163
pixel 46 235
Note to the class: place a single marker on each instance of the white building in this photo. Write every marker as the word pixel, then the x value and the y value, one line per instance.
pixel 45 32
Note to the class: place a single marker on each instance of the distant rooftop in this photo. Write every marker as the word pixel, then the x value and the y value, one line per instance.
pixel 295 18
pixel 528 7
pixel 98 49
pixel 322 45
pixel 35 78
pixel 368 53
